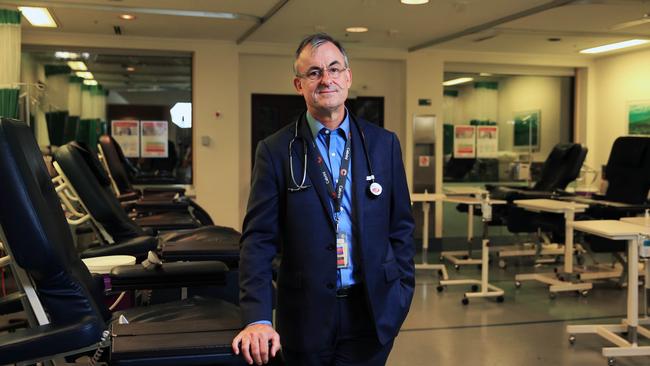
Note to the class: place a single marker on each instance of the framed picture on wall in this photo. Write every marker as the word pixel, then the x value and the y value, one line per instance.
pixel 526 129
pixel 638 117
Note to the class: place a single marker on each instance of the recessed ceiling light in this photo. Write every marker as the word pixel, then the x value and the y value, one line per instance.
pixel 77 65
pixel 457 81
pixel 38 17
pixel 485 74
pixel 615 46
pixel 85 74
pixel 90 82
pixel 130 68
pixel 414 2
pixel 127 16
pixel 356 29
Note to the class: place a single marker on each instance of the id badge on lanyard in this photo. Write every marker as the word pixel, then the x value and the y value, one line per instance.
pixel 342 251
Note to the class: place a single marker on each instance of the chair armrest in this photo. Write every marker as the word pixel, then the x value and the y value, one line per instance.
pixel 159 205
pixel 137 247
pixel 47 341
pixel 131 196
pixel 168 275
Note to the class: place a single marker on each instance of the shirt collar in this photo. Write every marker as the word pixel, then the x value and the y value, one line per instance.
pixel 315 126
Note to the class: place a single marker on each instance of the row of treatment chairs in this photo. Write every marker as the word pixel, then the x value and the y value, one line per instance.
pixel 628 176
pixel 65 303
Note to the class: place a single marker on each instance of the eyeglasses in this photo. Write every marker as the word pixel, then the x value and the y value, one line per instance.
pixel 318 73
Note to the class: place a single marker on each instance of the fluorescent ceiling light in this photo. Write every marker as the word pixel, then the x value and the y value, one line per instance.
pixel 85 74
pixel 38 17
pixel 615 46
pixel 457 81
pixel 127 16
pixel 130 68
pixel 414 2
pixel 77 65
pixel 90 82
pixel 356 29
pixel 66 55
pixel 485 74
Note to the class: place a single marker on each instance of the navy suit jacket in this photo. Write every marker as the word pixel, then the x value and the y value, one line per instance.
pixel 300 226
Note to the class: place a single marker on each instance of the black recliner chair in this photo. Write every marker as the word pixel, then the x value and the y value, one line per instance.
pixel 628 175
pixel 126 236
pixel 73 316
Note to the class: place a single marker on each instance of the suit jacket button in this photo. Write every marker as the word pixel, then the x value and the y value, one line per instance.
pixel 330 286
pixel 331 247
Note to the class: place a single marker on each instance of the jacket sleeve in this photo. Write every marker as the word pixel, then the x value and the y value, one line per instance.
pixel 401 221
pixel 260 240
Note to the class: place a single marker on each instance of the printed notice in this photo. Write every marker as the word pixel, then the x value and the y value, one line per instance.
pixel 487 141
pixel 126 134
pixel 464 142
pixel 154 135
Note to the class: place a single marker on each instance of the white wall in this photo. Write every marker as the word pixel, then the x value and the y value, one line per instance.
pixel 618 80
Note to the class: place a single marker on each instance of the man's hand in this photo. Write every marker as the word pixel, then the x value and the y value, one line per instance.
pixel 254 340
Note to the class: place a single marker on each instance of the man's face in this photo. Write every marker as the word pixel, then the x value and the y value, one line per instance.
pixel 325 93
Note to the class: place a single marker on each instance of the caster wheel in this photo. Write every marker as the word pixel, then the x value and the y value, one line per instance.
pixel 611 361
pixel 465 301
pixel 584 293
pixel 456 267
pixel 440 288
pixel 500 299
pixel 502 264
pixel 552 295
pixel 474 288
pixel 572 339
pixel 517 284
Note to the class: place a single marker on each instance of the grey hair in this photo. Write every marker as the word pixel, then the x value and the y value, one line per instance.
pixel 316 40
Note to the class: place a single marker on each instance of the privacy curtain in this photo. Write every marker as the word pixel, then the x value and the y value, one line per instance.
pixel 9 62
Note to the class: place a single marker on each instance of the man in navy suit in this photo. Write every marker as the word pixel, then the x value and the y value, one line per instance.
pixel 329 193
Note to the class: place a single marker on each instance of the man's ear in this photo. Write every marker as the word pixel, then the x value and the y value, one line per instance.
pixel 298 85
pixel 349 71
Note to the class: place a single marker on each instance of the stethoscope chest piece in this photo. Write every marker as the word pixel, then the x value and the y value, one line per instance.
pixel 375 189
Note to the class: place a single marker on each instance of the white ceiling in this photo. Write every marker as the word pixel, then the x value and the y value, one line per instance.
pixel 581 24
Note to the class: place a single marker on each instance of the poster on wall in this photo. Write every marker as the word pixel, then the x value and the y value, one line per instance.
pixel 638 118
pixel 526 129
pixel 154 139
pixel 464 142
pixel 126 134
pixel 487 141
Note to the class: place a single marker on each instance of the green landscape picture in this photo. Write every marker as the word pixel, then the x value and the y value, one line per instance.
pixel 638 118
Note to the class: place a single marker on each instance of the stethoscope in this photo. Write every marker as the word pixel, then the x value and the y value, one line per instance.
pixel 374 188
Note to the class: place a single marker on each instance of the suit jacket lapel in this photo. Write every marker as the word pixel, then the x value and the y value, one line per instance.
pixel 313 171
pixel 359 174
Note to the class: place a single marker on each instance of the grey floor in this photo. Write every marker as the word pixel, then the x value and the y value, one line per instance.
pixel 528 328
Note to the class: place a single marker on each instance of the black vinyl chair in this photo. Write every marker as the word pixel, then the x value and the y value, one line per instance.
pixel 628 175
pixel 70 316
pixel 126 175
pixel 122 235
